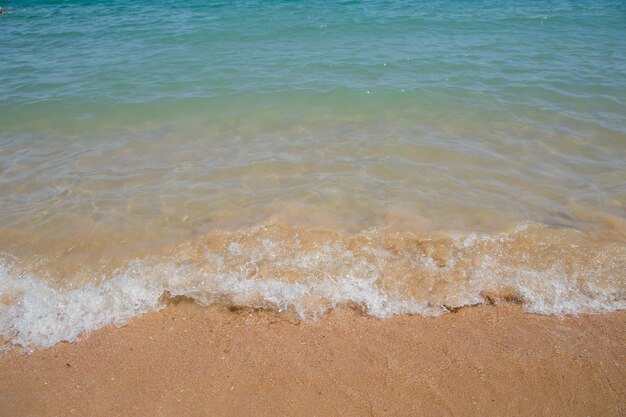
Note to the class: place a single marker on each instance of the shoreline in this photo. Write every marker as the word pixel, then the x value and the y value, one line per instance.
pixel 310 270
pixel 482 360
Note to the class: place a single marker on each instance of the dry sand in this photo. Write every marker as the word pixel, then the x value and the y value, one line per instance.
pixel 191 361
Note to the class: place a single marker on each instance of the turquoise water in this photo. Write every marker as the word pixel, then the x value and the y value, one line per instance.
pixel 494 132
pixel 491 108
pixel 75 65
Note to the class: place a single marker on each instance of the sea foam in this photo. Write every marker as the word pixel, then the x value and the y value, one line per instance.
pixel 309 272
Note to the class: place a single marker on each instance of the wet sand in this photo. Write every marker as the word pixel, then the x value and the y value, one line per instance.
pixel 186 360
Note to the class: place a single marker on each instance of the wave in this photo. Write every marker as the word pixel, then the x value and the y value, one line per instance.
pixel 308 271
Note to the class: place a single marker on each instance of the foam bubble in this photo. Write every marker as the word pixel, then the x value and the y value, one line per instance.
pixel 311 271
pixel 44 316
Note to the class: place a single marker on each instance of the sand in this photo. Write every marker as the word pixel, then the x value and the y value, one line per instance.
pixel 192 361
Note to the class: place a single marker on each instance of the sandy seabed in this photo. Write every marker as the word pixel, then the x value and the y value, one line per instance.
pixel 194 361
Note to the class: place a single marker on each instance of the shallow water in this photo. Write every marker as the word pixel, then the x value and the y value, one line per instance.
pixel 389 134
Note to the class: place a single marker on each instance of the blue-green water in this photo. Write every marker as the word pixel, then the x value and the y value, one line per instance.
pixel 536 91
pixel 76 64
pixel 128 126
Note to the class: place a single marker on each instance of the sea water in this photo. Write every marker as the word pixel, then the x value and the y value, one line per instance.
pixel 398 156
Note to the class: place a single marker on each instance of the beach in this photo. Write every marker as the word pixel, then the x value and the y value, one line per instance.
pixel 486 360
pixel 358 207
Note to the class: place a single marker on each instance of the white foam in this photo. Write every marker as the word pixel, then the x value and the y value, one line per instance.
pixel 35 314
pixel 43 316
pixel 552 291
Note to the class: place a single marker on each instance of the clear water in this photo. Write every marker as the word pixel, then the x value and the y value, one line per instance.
pixel 135 135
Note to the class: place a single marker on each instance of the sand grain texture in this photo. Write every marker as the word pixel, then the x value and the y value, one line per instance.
pixel 186 360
